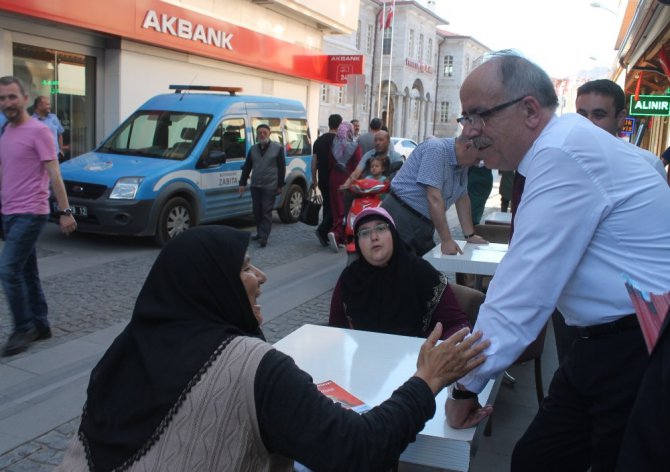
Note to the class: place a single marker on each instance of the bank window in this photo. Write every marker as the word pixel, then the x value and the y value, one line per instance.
pixel 370 39
pixel 341 93
pixel 229 137
pixel 448 66
pixel 410 44
pixel 68 81
pixel 275 128
pixel 324 93
pixel 358 36
pixel 444 112
pixel 420 52
pixel 298 142
pixel 429 52
pixel 386 46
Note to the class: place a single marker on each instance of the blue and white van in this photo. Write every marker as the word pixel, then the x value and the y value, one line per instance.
pixel 176 162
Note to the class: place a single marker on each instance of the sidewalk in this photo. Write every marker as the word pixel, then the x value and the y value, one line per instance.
pixel 42 391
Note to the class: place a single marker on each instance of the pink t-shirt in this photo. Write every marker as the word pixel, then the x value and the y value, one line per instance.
pixel 25 181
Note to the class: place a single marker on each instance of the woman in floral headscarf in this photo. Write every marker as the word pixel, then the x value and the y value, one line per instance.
pixel 344 157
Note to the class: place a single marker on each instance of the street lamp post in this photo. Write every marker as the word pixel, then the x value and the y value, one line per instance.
pixel 600 5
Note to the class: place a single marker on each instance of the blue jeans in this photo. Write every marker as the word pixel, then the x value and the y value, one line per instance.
pixel 18 271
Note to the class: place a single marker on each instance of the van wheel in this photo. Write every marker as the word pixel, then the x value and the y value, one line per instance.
pixel 175 218
pixel 292 204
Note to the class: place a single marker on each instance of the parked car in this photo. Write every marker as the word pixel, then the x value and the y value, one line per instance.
pixel 403 146
pixel 177 160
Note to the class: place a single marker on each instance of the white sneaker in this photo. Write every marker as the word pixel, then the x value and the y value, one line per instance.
pixel 333 242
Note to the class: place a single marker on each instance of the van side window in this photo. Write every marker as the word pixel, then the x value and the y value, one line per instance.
pixel 297 137
pixel 229 137
pixel 275 128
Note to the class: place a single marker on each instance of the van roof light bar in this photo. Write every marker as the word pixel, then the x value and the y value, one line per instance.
pixel 205 88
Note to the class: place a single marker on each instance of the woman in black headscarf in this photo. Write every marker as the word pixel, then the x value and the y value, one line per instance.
pixel 190 384
pixel 388 289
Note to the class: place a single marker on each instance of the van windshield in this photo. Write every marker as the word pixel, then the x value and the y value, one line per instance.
pixel 157 133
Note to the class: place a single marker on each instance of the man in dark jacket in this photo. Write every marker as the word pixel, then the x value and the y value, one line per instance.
pixel 267 165
pixel 320 155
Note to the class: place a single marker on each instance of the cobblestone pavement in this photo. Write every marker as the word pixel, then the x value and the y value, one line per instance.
pixel 105 295
pixel 86 301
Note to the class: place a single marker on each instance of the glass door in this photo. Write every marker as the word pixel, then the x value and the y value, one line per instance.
pixel 68 80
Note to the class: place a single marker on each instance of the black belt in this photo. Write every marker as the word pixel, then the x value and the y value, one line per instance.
pixel 607 329
pixel 411 210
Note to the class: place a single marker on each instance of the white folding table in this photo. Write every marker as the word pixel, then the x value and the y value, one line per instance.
pixel 499 218
pixel 480 259
pixel 371 366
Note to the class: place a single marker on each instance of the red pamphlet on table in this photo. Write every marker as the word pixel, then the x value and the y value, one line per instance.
pixel 651 310
pixel 341 396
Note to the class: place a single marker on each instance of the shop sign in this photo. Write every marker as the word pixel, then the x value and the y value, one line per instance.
pixel 339 67
pixel 166 24
pixel 650 105
pixel 421 67
pixel 628 126
pixel 185 29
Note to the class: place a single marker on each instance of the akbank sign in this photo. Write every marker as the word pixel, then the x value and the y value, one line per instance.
pixel 650 105
pixel 182 28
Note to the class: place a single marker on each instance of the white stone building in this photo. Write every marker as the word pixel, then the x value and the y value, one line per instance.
pixel 406 81
pixel 458 55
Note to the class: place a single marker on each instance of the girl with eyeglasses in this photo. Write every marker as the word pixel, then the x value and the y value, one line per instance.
pixel 390 290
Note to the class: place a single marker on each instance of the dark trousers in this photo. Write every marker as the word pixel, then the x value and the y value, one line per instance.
pixel 327 215
pixel 416 232
pixel 263 202
pixel 480 183
pixel 565 335
pixel 582 419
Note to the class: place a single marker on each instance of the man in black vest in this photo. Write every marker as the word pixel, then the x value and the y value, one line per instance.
pixel 265 161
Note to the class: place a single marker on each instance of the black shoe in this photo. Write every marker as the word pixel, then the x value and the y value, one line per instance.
pixel 262 242
pixel 321 238
pixel 43 333
pixel 255 237
pixel 19 342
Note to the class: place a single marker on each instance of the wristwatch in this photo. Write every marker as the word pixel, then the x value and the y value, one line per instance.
pixel 65 212
pixel 458 392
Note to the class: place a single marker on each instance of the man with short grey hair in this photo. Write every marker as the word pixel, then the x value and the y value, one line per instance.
pixel 582 221
pixel 434 177
pixel 267 165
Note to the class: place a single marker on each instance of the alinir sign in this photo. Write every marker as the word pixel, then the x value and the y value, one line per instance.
pixel 650 105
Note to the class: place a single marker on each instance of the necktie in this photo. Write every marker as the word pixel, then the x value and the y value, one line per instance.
pixel 517 191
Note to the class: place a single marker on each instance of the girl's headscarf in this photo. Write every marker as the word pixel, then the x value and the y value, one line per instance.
pixel 399 298
pixel 344 145
pixel 192 304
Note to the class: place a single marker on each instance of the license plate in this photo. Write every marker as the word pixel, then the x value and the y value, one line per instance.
pixel 79 210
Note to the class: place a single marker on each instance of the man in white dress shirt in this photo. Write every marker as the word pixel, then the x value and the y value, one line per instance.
pixel 583 221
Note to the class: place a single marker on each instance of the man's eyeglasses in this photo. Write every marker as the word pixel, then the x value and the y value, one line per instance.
pixel 476 120
pixel 367 232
